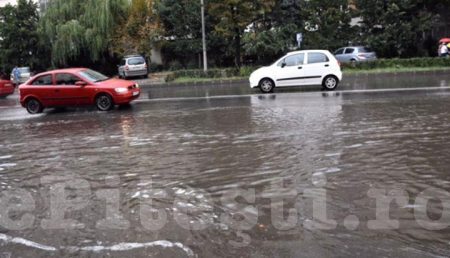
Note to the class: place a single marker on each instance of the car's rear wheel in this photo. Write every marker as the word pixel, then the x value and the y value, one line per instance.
pixel 104 102
pixel 266 85
pixel 330 83
pixel 34 106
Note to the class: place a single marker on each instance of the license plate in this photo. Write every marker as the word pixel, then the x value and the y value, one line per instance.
pixel 135 93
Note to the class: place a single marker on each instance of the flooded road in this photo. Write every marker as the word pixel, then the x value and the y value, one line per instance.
pixel 350 82
pixel 285 175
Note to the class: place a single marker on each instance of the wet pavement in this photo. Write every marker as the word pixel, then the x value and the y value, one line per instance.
pixel 352 82
pixel 292 174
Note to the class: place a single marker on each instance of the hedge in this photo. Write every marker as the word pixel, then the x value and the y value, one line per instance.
pixel 400 63
pixel 377 64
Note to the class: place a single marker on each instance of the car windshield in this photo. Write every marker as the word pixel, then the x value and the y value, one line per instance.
pixel 93 76
pixel 24 70
pixel 136 61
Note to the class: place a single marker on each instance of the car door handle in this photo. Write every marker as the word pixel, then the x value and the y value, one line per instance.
pixel 327 65
pixel 300 67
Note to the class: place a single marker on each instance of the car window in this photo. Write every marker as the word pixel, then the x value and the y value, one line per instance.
pixel 136 61
pixel 293 60
pixel 365 50
pixel 314 58
pixel 66 79
pixel 43 80
pixel 24 70
pixel 339 52
pixel 93 76
pixel 349 50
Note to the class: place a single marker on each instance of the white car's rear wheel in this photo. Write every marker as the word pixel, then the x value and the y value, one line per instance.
pixel 330 83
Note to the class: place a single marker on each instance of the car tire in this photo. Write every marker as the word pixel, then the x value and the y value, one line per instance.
pixel 104 102
pixel 330 82
pixel 266 85
pixel 33 106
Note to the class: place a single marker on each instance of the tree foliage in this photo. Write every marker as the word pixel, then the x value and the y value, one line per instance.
pixel 326 23
pixel 140 30
pixel 19 41
pixel 81 30
pixel 234 17
pixel 181 29
pixel 397 28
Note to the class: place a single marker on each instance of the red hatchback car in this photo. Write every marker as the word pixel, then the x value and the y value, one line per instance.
pixel 6 88
pixel 76 87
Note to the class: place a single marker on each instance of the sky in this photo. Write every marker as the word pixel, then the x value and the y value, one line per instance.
pixel 5 2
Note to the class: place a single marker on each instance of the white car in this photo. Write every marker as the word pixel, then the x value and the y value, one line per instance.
pixel 309 67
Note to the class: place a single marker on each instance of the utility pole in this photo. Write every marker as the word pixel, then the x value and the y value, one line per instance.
pixel 205 57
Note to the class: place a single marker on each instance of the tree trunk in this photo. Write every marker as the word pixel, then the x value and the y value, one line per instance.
pixel 237 42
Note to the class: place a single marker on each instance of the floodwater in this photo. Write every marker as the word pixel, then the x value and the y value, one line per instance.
pixel 223 172
pixel 360 82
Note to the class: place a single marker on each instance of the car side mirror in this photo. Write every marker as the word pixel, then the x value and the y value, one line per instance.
pixel 81 83
pixel 283 65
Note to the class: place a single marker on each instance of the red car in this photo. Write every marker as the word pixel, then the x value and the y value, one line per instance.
pixel 76 87
pixel 6 88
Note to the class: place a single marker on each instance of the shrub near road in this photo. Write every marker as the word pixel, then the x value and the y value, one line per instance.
pixel 380 65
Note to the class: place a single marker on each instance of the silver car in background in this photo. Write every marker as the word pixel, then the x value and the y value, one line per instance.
pixel 25 74
pixel 133 66
pixel 355 54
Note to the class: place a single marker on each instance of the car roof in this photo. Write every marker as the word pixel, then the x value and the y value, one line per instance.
pixel 132 56
pixel 67 70
pixel 309 50
pixel 356 47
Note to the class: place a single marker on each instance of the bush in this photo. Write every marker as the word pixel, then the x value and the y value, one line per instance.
pixel 400 63
pixel 153 68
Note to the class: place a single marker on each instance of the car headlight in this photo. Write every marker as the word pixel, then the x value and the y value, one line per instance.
pixel 137 86
pixel 121 90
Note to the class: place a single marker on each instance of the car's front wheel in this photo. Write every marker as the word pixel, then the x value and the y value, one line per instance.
pixel 34 106
pixel 104 102
pixel 266 85
pixel 330 83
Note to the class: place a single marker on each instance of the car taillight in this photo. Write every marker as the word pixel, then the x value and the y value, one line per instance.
pixel 339 63
pixel 127 68
pixel 362 55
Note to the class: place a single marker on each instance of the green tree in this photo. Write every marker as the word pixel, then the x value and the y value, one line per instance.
pixel 234 17
pixel 275 32
pixel 81 31
pixel 181 28
pixel 397 28
pixel 19 41
pixel 326 23
pixel 140 30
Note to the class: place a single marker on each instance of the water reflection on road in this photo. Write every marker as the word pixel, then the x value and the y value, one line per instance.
pixel 199 153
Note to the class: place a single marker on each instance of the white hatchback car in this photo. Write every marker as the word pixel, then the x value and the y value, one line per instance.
pixel 309 67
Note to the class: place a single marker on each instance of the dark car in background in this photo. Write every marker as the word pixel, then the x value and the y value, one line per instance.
pixel 355 54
